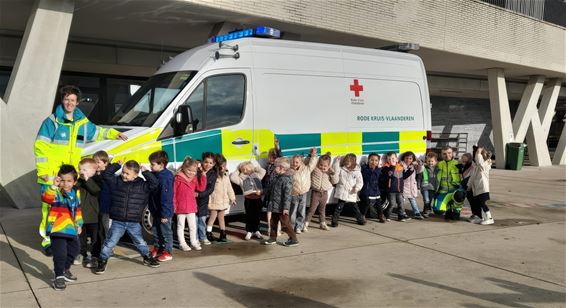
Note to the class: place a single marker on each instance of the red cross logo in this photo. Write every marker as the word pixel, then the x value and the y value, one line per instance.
pixel 357 88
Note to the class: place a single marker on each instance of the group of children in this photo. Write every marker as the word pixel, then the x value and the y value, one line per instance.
pixel 92 209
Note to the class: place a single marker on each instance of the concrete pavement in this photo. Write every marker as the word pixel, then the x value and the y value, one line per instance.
pixel 520 261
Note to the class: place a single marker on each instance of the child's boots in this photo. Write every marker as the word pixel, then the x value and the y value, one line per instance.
pixel 222 238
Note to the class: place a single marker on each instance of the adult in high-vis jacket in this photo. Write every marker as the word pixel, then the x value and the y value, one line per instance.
pixel 60 140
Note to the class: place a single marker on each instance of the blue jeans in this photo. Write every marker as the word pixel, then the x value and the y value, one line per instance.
pixel 162 234
pixel 413 202
pixel 201 227
pixel 298 211
pixel 428 195
pixel 116 232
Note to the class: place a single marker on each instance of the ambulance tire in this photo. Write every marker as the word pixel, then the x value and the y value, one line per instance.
pixel 147 223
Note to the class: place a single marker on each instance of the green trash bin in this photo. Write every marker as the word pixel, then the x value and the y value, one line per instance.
pixel 515 155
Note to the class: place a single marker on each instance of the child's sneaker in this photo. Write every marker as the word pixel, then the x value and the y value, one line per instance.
pixel 488 221
pixel 185 247
pixel 197 247
pixel 418 217
pixel 298 232
pixel 206 242
pixel 78 260
pixel 59 283
pixel 164 257
pixel 306 227
pixel 258 235
pixel 154 253
pixel 270 241
pixel 151 262
pixel 291 243
pixel 101 267
pixel 323 226
pixel 210 237
pixel 69 276
pixel 248 236
pixel 477 220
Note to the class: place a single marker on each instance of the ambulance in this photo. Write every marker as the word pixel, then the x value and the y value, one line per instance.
pixel 242 90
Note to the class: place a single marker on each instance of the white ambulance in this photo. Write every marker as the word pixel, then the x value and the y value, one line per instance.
pixel 235 95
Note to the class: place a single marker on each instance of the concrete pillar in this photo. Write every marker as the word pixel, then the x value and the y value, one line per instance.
pixel 30 93
pixel 560 154
pixel 500 114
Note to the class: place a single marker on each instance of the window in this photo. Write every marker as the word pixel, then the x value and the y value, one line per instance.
pixel 218 101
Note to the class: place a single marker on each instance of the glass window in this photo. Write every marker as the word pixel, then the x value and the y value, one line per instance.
pixel 154 96
pixel 224 100
pixel 196 102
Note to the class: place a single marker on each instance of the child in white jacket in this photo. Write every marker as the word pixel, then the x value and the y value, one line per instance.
pixel 301 186
pixel 349 181
pixel 479 185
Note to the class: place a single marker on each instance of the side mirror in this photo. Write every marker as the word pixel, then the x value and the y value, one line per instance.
pixel 182 121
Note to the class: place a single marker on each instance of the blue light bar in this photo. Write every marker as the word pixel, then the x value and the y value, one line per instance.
pixel 261 31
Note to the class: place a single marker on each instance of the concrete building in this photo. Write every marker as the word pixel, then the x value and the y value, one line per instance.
pixel 495 68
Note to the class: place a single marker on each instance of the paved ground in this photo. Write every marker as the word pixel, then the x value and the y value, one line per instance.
pixel 520 261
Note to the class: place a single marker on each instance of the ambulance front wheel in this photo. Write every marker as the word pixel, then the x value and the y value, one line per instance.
pixel 147 223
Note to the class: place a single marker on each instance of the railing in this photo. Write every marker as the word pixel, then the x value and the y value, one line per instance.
pixel 458 141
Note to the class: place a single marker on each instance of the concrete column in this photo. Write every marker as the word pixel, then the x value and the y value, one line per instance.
pixel 527 107
pixel 500 114
pixel 560 154
pixel 548 102
pixel 30 93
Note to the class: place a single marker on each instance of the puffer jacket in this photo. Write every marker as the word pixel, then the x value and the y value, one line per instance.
pixel 280 192
pixel 129 199
pixel 184 196
pixel 204 196
pixel 410 188
pixel 479 180
pixel 302 177
pixel 161 200
pixel 346 180
pixel 222 195
pixel 371 180
pixel 321 181
pixel 392 177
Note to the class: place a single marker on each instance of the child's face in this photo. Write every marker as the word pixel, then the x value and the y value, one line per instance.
pixel 279 169
pixel 296 163
pixel 156 167
pixel 247 170
pixel 373 162
pixel 271 158
pixel 350 163
pixel 392 160
pixel 447 155
pixel 431 162
pixel 128 174
pixel 190 172
pixel 223 167
pixel 408 159
pixel 464 160
pixel 87 170
pixel 207 164
pixel 67 182
pixel 70 103
pixel 324 165
pixel 100 164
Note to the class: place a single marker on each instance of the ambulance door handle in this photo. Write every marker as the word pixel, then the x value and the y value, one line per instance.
pixel 240 141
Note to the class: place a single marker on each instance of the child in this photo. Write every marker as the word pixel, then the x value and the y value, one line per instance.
pixel 105 198
pixel 248 177
pixel 479 185
pixel 89 184
pixel 370 193
pixel 395 175
pixel 279 202
pixel 203 197
pixel 188 182
pixel 349 181
pixel 161 207
pixel 221 198
pixel 428 182
pixel 272 155
pixel 410 188
pixel 301 186
pixel 320 185
pixel 130 195
pixel 64 222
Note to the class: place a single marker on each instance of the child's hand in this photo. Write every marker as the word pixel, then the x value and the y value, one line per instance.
pixel 164 220
pixel 44 177
pixel 258 192
pixel 313 152
pixel 233 203
pixel 57 181
pixel 144 168
pixel 354 190
pixel 79 230
pixel 286 212
pixel 120 162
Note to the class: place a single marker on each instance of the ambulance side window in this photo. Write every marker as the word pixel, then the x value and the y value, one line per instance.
pixel 196 102
pixel 225 96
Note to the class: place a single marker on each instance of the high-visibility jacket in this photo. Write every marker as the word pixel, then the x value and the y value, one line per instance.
pixel 447 176
pixel 61 141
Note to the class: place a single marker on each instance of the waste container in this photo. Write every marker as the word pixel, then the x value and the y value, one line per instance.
pixel 515 155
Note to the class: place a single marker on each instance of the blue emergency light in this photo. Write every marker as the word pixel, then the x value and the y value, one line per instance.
pixel 261 31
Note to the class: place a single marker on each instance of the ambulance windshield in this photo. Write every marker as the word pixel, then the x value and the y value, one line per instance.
pixel 149 102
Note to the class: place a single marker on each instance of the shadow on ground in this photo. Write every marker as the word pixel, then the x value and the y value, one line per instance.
pixel 520 294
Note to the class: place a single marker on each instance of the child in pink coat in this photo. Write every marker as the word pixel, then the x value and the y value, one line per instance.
pixel 410 189
pixel 188 180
